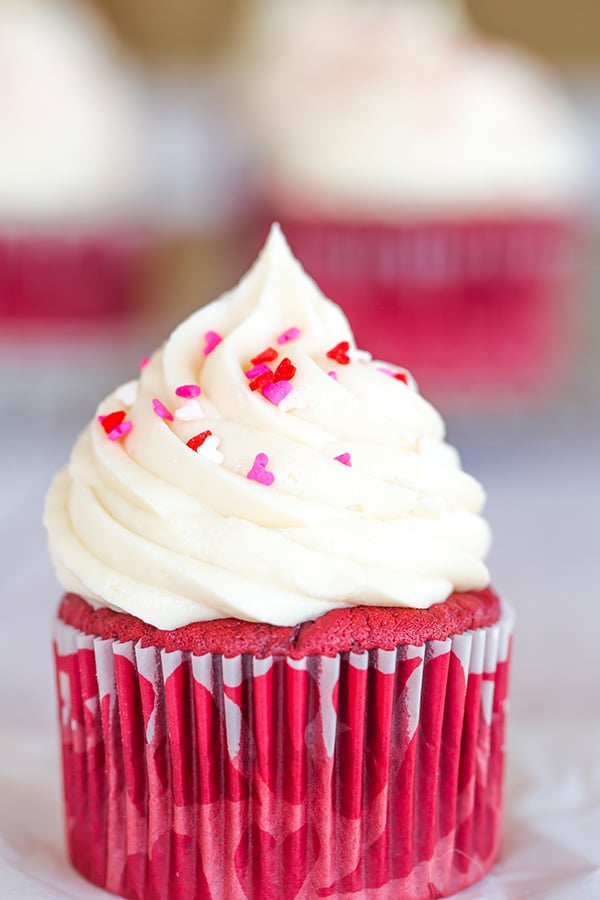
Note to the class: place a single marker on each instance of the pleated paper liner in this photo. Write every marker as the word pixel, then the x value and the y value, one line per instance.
pixel 366 775
pixel 480 304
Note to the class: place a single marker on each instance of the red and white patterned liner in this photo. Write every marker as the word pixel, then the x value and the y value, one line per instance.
pixel 371 775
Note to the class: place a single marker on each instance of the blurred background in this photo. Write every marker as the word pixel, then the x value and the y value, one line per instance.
pixel 435 165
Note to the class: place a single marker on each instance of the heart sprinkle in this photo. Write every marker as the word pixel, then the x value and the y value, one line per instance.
pixel 143 362
pixel 120 431
pixel 276 391
pixel 360 356
pixel 161 411
pixel 211 340
pixel 344 458
pixel 127 393
pixel 333 375
pixel 188 391
pixel 112 420
pixel 340 353
pixel 267 355
pixel 189 412
pixel 401 376
pixel 263 379
pixel 290 335
pixel 285 371
pixel 258 472
pixel 294 400
pixel 255 371
pixel 209 449
pixel 198 440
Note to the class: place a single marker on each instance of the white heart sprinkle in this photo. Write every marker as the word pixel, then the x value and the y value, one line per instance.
pixel 127 393
pixel 190 411
pixel 294 400
pixel 360 355
pixel 209 449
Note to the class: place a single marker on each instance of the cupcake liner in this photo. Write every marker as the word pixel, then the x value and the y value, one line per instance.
pixel 481 305
pixel 372 775
pixel 78 276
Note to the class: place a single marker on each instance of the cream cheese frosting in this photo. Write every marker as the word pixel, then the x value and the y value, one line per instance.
pixel 324 479
pixel 364 107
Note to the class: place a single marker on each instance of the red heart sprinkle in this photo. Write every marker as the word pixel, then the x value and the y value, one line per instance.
pixel 266 356
pixel 259 382
pixel 112 420
pixel 285 371
pixel 198 440
pixel 340 353
pixel 401 376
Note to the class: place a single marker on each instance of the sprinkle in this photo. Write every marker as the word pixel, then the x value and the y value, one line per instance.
pixel 161 411
pixel 285 371
pixel 360 355
pixel 290 335
pixel 340 353
pixel 209 449
pixel 344 458
pixel 143 362
pixel 188 391
pixel 399 376
pixel 127 393
pixel 276 391
pixel 262 380
pixel 120 431
pixel 333 375
pixel 189 412
pixel 205 444
pixel 267 355
pixel 258 471
pixel 198 440
pixel 256 370
pixel 211 340
pixel 112 420
pixel 294 400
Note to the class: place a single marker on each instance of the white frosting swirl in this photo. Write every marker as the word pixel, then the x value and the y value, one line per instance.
pixel 147 525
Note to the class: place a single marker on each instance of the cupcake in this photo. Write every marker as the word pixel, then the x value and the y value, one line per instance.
pixel 71 132
pixel 427 177
pixel 281 669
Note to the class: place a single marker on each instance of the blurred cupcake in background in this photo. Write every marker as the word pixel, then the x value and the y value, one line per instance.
pixel 429 180
pixel 71 182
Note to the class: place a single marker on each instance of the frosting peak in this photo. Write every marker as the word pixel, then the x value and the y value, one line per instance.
pixel 264 468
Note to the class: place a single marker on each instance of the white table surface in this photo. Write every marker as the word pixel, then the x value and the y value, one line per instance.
pixel 543 481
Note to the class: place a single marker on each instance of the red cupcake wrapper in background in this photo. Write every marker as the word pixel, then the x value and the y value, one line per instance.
pixel 77 277
pixel 483 306
pixel 372 775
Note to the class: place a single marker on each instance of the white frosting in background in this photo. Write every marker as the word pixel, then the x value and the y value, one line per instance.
pixel 148 526
pixel 380 107
pixel 71 130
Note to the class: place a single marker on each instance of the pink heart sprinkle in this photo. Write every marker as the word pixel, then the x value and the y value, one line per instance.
pixel 161 411
pixel 143 362
pixel 290 335
pixel 333 375
pixel 258 471
pixel 189 391
pixel 344 458
pixel 120 431
pixel 276 391
pixel 386 371
pixel 256 370
pixel 211 339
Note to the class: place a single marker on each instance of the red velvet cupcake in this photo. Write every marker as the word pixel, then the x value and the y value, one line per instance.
pixel 280 670
pixel 428 178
